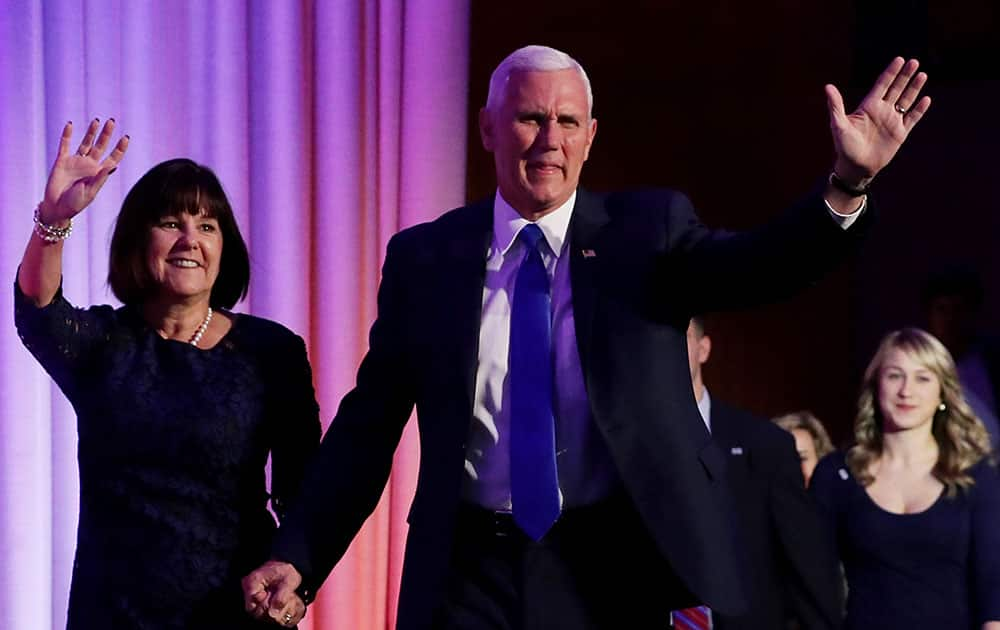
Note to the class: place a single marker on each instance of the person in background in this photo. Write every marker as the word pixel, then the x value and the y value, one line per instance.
pixel 179 400
pixel 794 572
pixel 811 439
pixel 566 478
pixel 916 501
pixel 953 296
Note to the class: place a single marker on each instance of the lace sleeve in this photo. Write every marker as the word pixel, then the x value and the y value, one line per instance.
pixel 294 421
pixel 59 335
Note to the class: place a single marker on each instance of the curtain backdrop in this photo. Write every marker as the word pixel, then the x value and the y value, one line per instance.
pixel 332 125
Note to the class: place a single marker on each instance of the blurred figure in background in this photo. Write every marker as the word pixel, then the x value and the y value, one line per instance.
pixel 811 439
pixel 916 501
pixel 953 298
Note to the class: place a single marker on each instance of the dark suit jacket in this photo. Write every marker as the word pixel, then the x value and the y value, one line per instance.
pixel 653 264
pixel 793 567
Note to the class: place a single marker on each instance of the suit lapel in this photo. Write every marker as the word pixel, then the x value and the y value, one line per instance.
pixel 728 435
pixel 588 218
pixel 721 427
pixel 466 250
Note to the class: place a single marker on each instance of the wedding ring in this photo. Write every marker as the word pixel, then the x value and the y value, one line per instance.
pixel 899 109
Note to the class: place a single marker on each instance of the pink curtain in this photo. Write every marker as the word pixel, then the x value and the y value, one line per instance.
pixel 332 125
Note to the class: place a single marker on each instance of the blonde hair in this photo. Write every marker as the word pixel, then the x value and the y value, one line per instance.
pixel 809 423
pixel 961 437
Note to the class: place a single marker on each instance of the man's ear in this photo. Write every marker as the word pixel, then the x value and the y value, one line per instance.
pixel 591 133
pixel 704 349
pixel 486 129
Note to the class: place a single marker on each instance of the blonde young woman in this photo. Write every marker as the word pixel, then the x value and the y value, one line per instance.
pixel 916 501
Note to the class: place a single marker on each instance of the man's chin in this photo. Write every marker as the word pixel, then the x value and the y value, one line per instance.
pixel 548 198
pixel 533 201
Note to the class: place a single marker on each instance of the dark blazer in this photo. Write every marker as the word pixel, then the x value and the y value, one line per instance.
pixel 793 567
pixel 651 264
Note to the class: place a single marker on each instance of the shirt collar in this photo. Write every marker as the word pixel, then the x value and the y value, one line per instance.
pixel 507 224
pixel 705 407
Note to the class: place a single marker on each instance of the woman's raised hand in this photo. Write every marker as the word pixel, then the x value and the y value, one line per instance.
pixel 76 178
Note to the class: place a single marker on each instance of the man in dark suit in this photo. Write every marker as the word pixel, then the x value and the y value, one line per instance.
pixel 625 511
pixel 794 575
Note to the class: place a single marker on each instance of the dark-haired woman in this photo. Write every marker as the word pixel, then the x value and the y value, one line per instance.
pixel 179 401
pixel 916 500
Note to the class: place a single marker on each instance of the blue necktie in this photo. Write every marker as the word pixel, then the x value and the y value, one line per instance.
pixel 534 485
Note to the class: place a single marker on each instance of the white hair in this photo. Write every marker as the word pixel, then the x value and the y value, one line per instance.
pixel 533 59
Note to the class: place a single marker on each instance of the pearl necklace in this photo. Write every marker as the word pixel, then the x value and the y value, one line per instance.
pixel 196 337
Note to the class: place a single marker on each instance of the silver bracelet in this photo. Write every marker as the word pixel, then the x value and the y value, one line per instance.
pixel 51 233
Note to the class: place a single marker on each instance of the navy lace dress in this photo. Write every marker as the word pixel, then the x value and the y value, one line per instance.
pixel 939 568
pixel 173 442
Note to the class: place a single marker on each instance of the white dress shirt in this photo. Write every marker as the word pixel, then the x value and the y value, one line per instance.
pixel 586 473
pixel 705 408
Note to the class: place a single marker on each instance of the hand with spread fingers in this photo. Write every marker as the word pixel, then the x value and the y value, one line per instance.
pixel 76 178
pixel 868 138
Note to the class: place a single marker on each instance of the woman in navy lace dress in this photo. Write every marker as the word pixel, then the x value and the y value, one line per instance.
pixel 179 401
pixel 916 501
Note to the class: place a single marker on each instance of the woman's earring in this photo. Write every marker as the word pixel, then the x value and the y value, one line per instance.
pixel 942 407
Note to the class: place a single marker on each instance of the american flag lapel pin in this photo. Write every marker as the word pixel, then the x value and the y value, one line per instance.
pixel 589 253
pixel 736 450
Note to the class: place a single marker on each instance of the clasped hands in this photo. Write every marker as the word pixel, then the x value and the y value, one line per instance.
pixel 269 593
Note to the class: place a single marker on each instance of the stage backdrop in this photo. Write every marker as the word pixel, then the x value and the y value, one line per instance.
pixel 332 125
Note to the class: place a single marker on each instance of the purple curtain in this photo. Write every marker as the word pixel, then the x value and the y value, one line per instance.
pixel 331 124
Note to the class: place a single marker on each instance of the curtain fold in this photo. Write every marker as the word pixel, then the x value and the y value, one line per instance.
pixel 332 125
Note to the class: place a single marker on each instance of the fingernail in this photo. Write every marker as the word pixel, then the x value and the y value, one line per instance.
pixel 111 120
pixel 112 170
